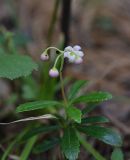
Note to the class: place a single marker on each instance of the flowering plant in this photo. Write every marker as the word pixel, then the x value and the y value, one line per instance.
pixel 71 124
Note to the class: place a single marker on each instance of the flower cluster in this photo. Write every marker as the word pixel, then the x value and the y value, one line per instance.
pixel 73 54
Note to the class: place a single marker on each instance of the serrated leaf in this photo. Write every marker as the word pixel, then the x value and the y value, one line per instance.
pixel 38 130
pixel 94 119
pixel 106 135
pixel 75 88
pixel 74 113
pixel 46 145
pixel 70 144
pixel 15 66
pixel 117 154
pixel 36 105
pixel 93 97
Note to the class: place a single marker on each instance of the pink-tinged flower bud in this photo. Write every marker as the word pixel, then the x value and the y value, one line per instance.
pixel 44 57
pixel 78 60
pixel 77 48
pixel 54 72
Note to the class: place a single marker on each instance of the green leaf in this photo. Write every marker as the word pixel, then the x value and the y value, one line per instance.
pixel 75 88
pixel 12 145
pixel 89 148
pixel 38 130
pixel 93 97
pixel 117 154
pixel 106 135
pixel 28 147
pixel 90 107
pixel 74 113
pixel 36 105
pixel 95 119
pixel 46 145
pixel 70 144
pixel 15 66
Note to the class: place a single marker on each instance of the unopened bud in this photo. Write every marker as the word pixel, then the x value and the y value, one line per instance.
pixel 44 57
pixel 54 72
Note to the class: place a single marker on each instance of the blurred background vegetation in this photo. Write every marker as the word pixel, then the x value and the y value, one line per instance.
pixel 100 27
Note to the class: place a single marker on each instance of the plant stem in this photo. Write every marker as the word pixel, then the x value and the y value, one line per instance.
pixel 53 22
pixel 57 60
pixel 90 148
pixel 53 48
pixel 62 83
pixel 62 88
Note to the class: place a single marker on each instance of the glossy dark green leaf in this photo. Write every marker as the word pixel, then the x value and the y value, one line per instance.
pixel 75 88
pixel 46 145
pixel 74 113
pixel 93 97
pixel 70 144
pixel 117 154
pixel 36 105
pixel 106 135
pixel 94 119
pixel 38 130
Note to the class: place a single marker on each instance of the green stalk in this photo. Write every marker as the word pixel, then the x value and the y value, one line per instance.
pixel 28 147
pixel 62 89
pixel 90 148
pixel 53 21
pixel 11 146
pixel 61 81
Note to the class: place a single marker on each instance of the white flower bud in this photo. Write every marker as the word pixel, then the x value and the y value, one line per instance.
pixel 78 60
pixel 69 48
pixel 54 72
pixel 44 57
pixel 66 54
pixel 72 58
pixel 79 53
pixel 77 48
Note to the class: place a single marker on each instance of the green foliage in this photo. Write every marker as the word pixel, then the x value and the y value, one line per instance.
pixel 46 145
pixel 70 121
pixel 94 119
pixel 93 97
pixel 41 129
pixel 36 105
pixel 106 135
pixel 117 154
pixel 74 114
pixel 75 88
pixel 15 66
pixel 12 144
pixel 70 144
pixel 89 148
pixel 90 107
pixel 71 125
pixel 28 147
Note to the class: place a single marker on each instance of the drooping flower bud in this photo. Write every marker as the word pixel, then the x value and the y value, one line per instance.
pixel 54 72
pixel 44 56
